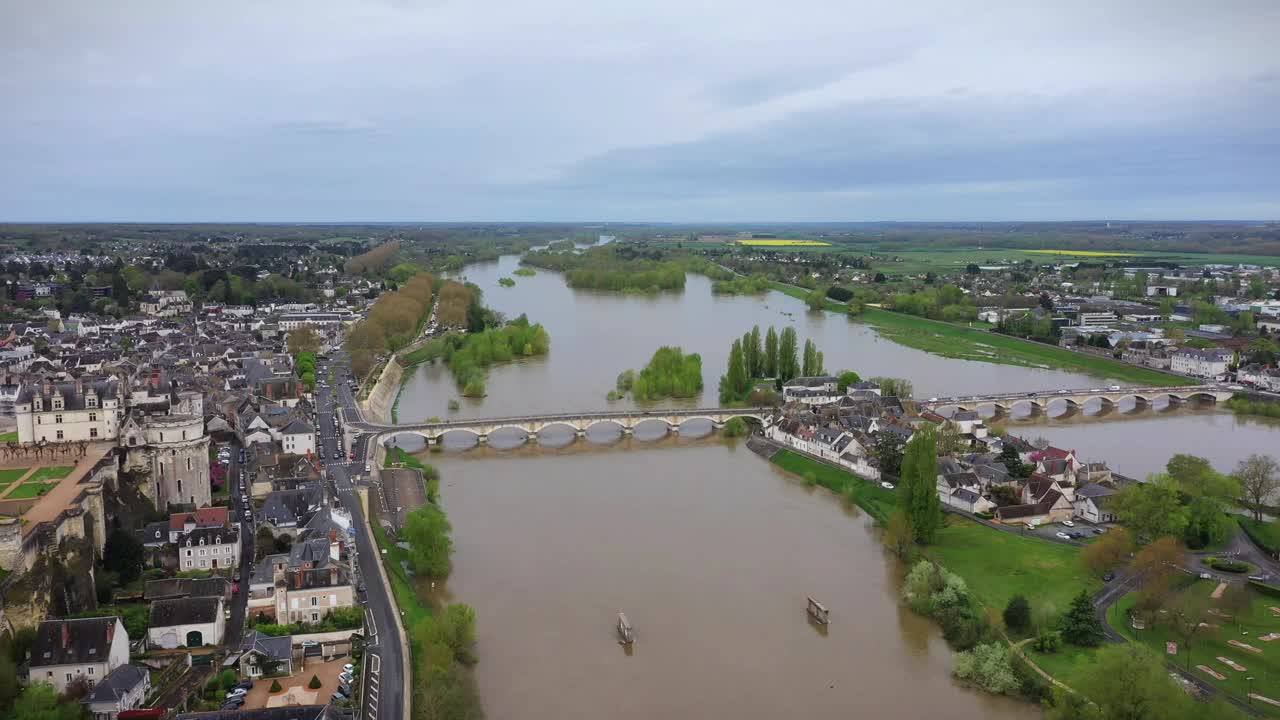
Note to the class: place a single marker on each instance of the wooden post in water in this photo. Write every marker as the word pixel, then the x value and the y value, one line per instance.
pixel 626 635
pixel 819 612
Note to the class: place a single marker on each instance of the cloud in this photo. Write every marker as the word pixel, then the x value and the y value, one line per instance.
pixel 658 110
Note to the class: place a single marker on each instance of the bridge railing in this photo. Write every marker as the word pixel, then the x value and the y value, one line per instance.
pixel 553 417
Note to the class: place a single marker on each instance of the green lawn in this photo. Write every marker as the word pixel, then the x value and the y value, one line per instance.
pixel 998 565
pixel 1066 665
pixel 974 343
pixel 415 611
pixel 1266 535
pixel 9 437
pixel 29 489
pixel 877 501
pixel 53 472
pixel 943 260
pixel 8 476
pixel 1258 620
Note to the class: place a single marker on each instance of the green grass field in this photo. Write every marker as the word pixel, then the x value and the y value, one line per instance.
pixel 8 476
pixel 951 260
pixel 53 472
pixel 966 343
pixel 1257 621
pixel 29 489
pixel 415 611
pixel 998 565
pixel 9 437
pixel 875 500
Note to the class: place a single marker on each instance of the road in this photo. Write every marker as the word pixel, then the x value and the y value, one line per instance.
pixel 240 600
pixel 385 687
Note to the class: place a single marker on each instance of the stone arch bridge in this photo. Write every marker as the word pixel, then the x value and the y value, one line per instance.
pixel 532 425
pixel 1110 398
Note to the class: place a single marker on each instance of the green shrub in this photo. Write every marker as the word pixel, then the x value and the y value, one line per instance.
pixel 275 686
pixel 1017 614
pixel 1048 641
pixel 987 666
pixel 315 683
pixel 1227 565
pixel 810 478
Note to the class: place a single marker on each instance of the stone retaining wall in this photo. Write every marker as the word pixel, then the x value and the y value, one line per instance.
pixel 377 408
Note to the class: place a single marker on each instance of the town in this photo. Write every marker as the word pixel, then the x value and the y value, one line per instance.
pixel 195 520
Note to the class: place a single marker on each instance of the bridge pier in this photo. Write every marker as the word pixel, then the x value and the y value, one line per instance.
pixel 531 437
pixel 580 433
pixel 717 425
pixel 482 439
pixel 628 430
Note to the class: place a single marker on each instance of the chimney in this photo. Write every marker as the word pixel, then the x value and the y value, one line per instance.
pixel 66 635
pixel 297 580
pixel 79 386
pixel 48 386
pixel 111 631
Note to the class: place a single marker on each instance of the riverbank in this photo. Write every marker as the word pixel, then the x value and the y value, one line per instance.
pixel 965 343
pixel 441 639
pixel 380 404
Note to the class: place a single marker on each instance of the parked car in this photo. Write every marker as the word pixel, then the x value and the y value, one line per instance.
pixel 246 683
pixel 1257 578
pixel 309 643
pixel 237 692
pixel 1064 536
pixel 1068 523
pixel 1099 531
pixel 348 668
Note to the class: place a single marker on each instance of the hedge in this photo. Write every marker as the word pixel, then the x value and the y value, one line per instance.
pixel 1265 589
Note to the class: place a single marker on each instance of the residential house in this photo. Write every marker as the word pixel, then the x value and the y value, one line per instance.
pixel 209 548
pixel 186 622
pixel 66 649
pixel 266 655
pixel 298 438
pixel 124 688
pixel 1093 503
pixel 1261 377
pixel 1211 363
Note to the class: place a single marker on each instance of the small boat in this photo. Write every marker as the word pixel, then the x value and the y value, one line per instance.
pixel 819 612
pixel 626 635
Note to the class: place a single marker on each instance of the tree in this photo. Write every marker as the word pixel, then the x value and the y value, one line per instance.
pixel 788 367
pixel 734 383
pixel 770 353
pixel 755 352
pixel 9 687
pixel 894 387
pixel 1259 478
pixel 39 701
pixel 950 441
pixel 427 532
pixel 1126 681
pixel 899 536
pixel 816 300
pixel 1152 510
pixel 1188 618
pixel 275 686
pixel 315 683
pixel 918 488
pixel 809 357
pixel 1079 625
pixel 458 630
pixel 888 452
pixel 1157 566
pixel 1017 614
pixel 847 378
pixel 123 554
pixel 1108 552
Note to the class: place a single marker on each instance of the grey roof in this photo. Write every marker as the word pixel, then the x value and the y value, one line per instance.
pixel 298 427
pixel 810 381
pixel 74 641
pixel 211 536
pixel 1094 490
pixel 279 648
pixel 117 684
pixel 184 611
pixel 105 389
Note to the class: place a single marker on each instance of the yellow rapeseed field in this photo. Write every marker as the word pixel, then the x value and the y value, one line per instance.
pixel 1084 253
pixel 784 243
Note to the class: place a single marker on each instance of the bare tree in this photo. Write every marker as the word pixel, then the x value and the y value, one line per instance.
pixel 1188 619
pixel 1259 478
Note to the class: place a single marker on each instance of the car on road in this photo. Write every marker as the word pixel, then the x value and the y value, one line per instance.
pixel 1109 577
pixel 1068 523
pixel 321 453
pixel 1063 535
pixel 352 455
pixel 1113 387
pixel 1257 578
pixel 309 643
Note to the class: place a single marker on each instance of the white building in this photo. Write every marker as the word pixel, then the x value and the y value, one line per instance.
pixel 1260 377
pixel 1211 363
pixel 66 649
pixel 209 548
pixel 293 321
pixel 68 411
pixel 125 688
pixel 186 622
pixel 298 437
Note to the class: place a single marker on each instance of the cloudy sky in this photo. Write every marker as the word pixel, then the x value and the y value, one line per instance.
pixel 681 110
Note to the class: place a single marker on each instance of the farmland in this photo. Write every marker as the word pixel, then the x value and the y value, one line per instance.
pixel 784 243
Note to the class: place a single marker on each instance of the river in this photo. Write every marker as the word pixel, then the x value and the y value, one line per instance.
pixel 711 552
pixel 709 549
